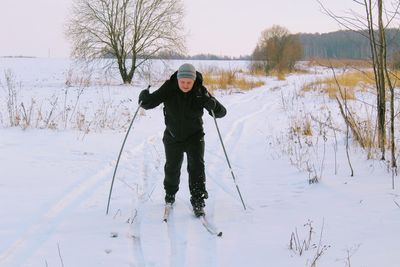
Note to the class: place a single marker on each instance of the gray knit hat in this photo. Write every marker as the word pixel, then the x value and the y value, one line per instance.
pixel 187 71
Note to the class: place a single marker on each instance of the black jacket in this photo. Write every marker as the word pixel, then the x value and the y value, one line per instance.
pixel 182 111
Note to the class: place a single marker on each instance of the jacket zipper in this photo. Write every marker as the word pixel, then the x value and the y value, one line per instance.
pixel 185 103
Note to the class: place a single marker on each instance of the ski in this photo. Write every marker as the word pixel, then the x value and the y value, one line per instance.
pixel 209 227
pixel 167 210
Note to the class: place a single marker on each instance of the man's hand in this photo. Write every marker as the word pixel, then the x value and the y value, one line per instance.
pixel 210 103
pixel 144 95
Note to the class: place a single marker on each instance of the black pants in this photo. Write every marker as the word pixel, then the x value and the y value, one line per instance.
pixel 174 151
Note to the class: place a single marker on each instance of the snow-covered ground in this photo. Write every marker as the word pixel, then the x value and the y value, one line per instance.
pixel 54 186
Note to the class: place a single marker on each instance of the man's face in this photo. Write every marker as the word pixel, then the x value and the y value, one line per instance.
pixel 185 84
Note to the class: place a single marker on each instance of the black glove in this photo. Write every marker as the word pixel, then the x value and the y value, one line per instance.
pixel 210 103
pixel 144 94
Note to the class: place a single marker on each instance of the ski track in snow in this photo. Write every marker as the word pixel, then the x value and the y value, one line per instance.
pixel 231 139
pixel 145 163
pixel 20 251
pixel 177 242
pixel 22 248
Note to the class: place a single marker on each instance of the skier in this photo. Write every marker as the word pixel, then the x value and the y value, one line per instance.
pixel 184 98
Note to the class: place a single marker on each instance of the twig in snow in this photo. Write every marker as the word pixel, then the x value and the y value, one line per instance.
pixel 59 254
pixel 396 203
pixel 125 183
pixel 320 250
pixel 299 246
pixel 132 219
pixel 350 253
pixel 118 211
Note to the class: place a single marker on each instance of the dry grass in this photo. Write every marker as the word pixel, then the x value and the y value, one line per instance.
pixel 395 77
pixel 351 82
pixel 301 127
pixel 363 129
pixel 257 72
pixel 280 75
pixel 227 79
pixel 339 63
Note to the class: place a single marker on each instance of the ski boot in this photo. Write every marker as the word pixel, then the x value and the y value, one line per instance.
pixel 198 206
pixel 198 211
pixel 169 199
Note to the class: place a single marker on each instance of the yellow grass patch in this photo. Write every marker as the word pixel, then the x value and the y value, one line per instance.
pixel 339 63
pixel 395 77
pixel 227 79
pixel 350 83
pixel 257 72
pixel 280 75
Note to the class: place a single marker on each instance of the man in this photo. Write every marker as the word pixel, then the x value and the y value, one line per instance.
pixel 184 98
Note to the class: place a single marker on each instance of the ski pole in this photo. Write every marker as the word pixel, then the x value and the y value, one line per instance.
pixel 120 152
pixel 227 159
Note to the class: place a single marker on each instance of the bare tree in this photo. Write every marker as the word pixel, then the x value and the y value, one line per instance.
pixel 128 32
pixel 278 49
pixel 377 17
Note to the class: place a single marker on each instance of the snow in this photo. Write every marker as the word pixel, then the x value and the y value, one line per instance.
pixel 54 185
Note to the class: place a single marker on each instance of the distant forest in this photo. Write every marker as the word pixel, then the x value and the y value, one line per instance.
pixel 345 44
pixel 339 44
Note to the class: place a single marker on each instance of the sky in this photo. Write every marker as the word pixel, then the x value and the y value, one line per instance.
pixel 222 27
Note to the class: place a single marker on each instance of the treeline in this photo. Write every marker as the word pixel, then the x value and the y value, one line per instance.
pixel 339 44
pixel 173 55
pixel 344 44
pixel 177 56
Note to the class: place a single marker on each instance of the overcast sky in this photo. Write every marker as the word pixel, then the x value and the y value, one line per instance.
pixel 223 27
